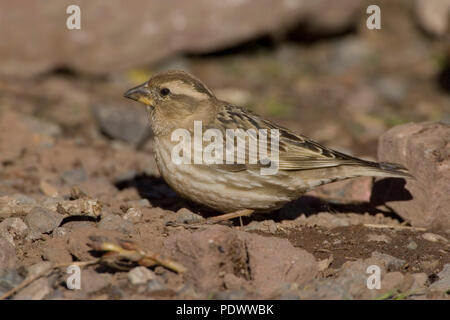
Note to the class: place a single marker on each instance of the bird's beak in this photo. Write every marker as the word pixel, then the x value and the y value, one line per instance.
pixel 141 94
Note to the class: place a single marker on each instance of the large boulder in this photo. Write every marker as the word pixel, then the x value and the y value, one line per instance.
pixel 116 35
pixel 424 148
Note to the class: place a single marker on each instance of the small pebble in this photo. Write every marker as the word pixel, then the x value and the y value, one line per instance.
pixel 140 275
pixel 273 228
pixel 133 215
pixel 12 229
pixel 155 285
pixel 186 216
pixel 434 237
pixel 59 232
pixel 412 245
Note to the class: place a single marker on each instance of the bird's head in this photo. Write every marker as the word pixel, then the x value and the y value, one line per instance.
pixel 173 96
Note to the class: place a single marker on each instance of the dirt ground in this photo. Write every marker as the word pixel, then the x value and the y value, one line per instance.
pixel 76 163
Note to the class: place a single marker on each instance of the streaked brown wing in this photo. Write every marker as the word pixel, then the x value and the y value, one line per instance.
pixel 296 152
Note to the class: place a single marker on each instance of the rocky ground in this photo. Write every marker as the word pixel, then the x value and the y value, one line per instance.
pixel 78 181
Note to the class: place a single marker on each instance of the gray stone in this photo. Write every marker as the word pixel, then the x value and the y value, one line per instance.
pixel 389 261
pixel 231 295
pixel 37 290
pixel 42 127
pixel 391 89
pixel 443 284
pixel 74 176
pixel 40 220
pixel 117 223
pixel 57 294
pixel 412 245
pixel 126 123
pixel 348 53
pixel 7 255
pixel 155 285
pixel 9 279
pixel 38 268
pixel 349 283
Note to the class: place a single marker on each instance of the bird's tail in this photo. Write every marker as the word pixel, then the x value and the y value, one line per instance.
pixel 355 168
pixel 381 169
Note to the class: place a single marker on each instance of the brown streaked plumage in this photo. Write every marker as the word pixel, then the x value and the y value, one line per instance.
pixel 176 99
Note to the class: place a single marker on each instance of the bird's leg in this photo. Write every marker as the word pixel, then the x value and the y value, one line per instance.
pixel 213 220
pixel 229 216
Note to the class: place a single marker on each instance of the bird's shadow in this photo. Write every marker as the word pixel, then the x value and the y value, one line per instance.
pixel 160 194
pixel 384 191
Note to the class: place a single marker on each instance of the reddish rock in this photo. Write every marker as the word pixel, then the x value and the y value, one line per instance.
pixel 35 37
pixel 56 251
pixel 20 134
pixel 274 262
pixel 424 148
pixel 220 256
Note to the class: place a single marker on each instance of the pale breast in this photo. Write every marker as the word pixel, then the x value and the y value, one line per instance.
pixel 224 190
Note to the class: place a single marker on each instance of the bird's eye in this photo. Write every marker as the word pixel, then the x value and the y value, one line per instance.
pixel 164 91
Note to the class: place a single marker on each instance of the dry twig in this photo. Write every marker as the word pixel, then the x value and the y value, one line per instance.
pixel 386 226
pixel 126 254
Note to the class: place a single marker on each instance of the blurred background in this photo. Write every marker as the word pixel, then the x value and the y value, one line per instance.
pixel 312 66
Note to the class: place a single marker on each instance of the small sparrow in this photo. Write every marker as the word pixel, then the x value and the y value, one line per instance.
pixel 176 99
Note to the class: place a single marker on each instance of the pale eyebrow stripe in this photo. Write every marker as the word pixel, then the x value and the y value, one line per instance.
pixel 178 87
